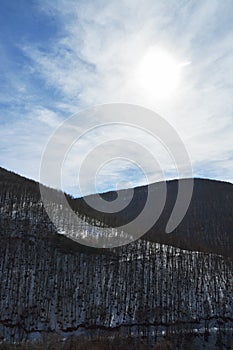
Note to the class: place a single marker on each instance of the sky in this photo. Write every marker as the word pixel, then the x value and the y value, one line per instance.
pixel 61 57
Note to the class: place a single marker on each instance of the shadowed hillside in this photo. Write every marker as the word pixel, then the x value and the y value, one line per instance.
pixel 207 225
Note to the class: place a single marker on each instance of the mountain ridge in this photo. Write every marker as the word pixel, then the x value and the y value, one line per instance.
pixel 207 225
pixel 15 174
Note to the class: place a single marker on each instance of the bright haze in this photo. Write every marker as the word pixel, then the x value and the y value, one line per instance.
pixel 173 57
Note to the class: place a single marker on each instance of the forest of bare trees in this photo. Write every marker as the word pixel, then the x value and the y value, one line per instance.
pixel 49 283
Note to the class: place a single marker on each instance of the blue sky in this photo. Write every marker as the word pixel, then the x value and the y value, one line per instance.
pixel 60 57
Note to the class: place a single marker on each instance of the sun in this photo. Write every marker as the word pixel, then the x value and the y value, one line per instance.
pixel 158 73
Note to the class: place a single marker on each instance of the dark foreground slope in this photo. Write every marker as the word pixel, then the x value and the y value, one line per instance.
pixel 49 283
pixel 141 289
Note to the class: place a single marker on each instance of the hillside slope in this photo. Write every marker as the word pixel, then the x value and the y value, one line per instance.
pixel 49 283
pixel 207 225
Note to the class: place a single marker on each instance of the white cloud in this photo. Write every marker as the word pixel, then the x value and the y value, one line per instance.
pixel 50 118
pixel 23 140
pixel 94 59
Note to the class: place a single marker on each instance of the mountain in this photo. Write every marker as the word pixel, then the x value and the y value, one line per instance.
pixel 207 225
pixel 50 284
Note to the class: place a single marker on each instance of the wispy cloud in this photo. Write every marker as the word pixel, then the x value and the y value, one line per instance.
pixel 23 139
pixel 93 57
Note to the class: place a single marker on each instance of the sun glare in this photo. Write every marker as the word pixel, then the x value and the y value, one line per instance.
pixel 158 74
